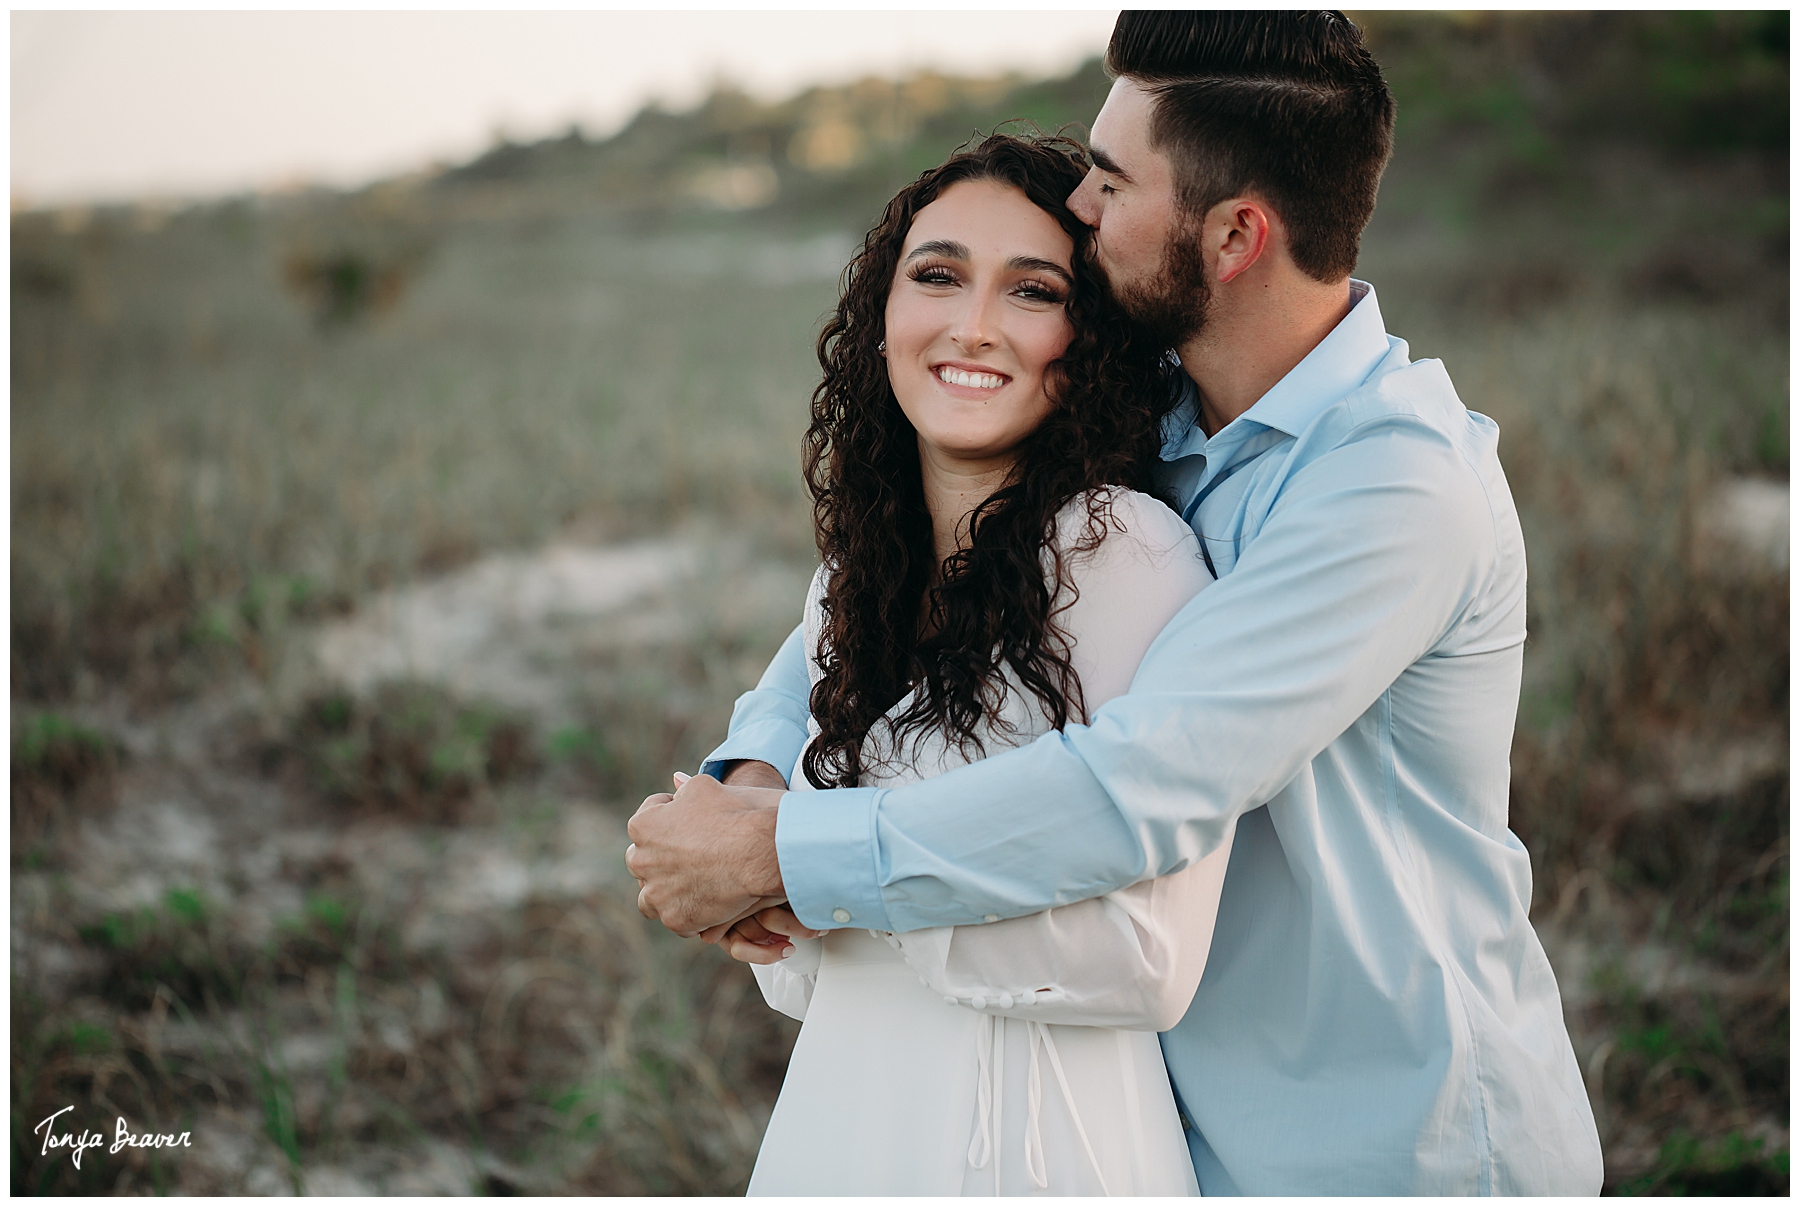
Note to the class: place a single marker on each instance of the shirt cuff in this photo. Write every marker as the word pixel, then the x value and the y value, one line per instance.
pixel 825 842
pixel 770 740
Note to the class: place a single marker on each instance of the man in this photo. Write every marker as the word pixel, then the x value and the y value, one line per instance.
pixel 1377 1015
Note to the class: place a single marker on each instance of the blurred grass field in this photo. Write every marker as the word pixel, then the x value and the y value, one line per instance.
pixel 372 937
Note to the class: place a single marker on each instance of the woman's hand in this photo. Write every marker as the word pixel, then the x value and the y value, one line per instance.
pixel 766 937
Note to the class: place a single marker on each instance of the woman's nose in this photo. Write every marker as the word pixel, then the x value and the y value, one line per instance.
pixel 974 327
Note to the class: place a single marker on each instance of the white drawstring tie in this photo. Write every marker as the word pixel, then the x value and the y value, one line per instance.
pixel 1034 1097
pixel 990 1073
pixel 990 1063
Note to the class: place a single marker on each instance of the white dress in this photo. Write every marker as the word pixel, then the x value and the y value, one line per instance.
pixel 1018 1057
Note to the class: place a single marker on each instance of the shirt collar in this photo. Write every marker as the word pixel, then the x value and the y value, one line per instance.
pixel 1341 362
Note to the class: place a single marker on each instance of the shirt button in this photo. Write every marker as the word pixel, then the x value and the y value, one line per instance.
pixel 991 918
pixel 840 914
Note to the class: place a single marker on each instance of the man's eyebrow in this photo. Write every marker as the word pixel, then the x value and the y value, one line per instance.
pixel 1038 264
pixel 1108 164
pixel 950 249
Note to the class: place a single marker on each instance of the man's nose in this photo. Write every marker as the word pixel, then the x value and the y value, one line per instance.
pixel 1084 202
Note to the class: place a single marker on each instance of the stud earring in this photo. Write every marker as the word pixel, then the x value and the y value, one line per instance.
pixel 881 347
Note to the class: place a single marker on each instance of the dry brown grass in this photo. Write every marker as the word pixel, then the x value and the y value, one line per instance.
pixel 562 1046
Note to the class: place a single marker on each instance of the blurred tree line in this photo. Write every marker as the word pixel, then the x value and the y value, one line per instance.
pixel 1535 93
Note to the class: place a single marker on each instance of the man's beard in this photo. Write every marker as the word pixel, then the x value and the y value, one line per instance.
pixel 1172 305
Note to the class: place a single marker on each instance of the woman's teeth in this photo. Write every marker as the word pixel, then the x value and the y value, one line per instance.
pixel 980 381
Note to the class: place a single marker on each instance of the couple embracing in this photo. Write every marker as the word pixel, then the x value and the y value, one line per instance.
pixel 1128 814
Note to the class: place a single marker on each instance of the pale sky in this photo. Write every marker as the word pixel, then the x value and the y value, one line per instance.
pixel 122 105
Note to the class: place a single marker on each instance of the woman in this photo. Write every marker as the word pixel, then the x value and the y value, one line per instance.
pixel 992 571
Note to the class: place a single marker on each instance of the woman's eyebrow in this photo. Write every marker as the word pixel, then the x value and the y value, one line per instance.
pixel 1035 264
pixel 950 249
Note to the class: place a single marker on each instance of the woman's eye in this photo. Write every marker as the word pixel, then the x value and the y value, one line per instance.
pixel 1038 291
pixel 1107 189
pixel 934 276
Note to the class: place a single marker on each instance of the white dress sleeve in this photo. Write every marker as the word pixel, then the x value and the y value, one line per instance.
pixel 788 985
pixel 1130 959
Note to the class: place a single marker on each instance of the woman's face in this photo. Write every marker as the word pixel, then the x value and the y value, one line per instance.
pixel 975 316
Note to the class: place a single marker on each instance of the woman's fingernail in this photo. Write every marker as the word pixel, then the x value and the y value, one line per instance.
pixel 682 777
pixel 787 951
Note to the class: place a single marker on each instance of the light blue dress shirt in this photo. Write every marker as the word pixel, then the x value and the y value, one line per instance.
pixel 1377 1015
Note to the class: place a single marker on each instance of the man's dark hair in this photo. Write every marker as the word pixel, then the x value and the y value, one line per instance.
pixel 1288 106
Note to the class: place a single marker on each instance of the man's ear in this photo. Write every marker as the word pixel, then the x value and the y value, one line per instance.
pixel 1237 233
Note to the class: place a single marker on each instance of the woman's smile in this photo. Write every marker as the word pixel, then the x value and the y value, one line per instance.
pixel 968 381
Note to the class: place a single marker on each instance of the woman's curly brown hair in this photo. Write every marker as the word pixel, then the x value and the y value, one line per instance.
pixel 895 620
